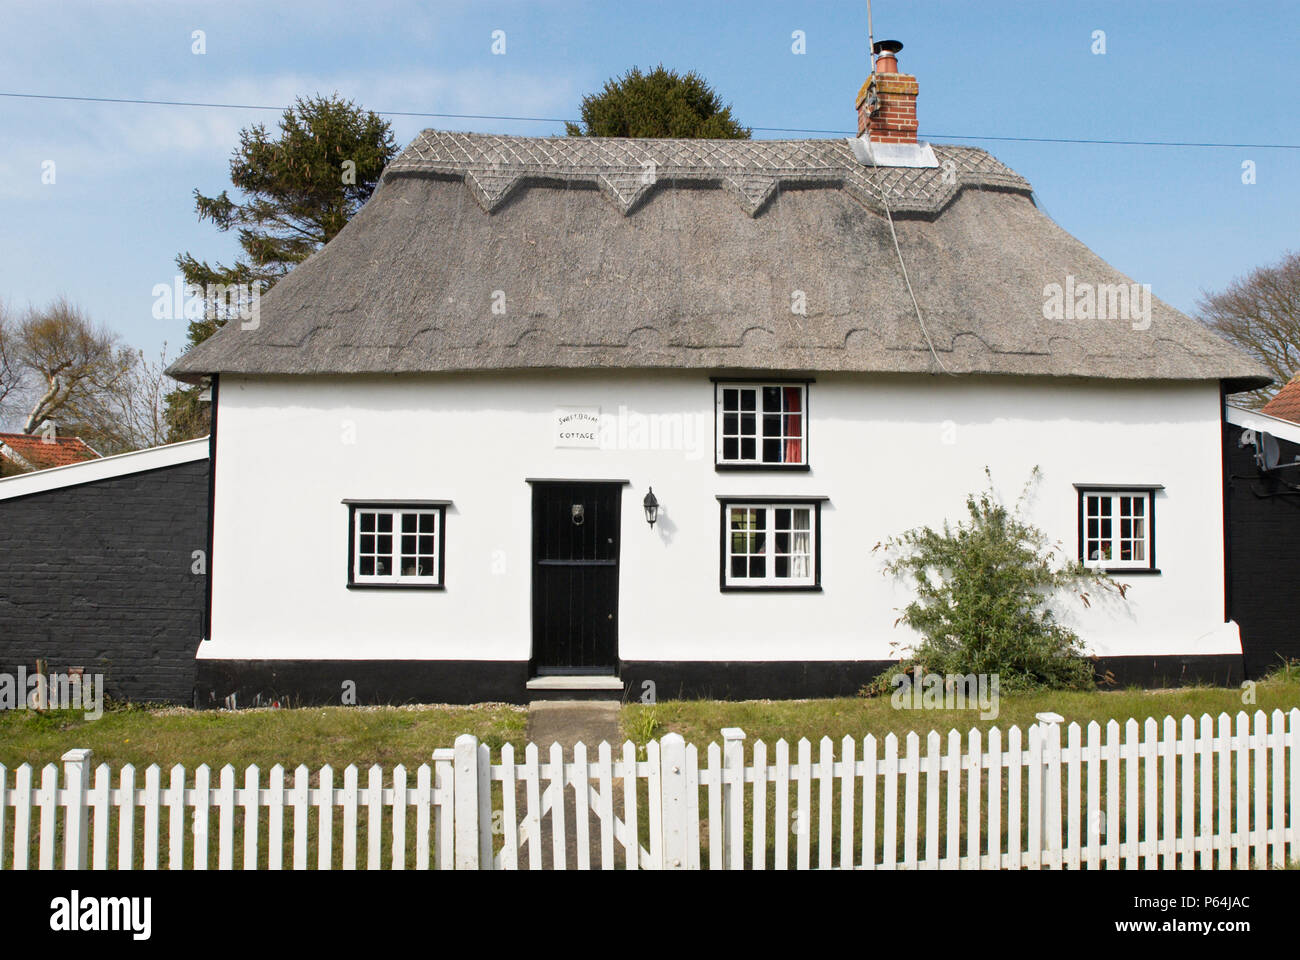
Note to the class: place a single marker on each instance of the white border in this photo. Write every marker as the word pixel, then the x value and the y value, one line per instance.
pixel 105 468
pixel 1254 420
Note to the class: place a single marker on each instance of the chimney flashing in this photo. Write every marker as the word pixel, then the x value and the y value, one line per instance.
pixel 877 154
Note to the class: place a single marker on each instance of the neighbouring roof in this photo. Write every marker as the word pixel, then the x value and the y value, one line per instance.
pixel 103 468
pixel 1286 402
pixel 37 452
pixel 704 254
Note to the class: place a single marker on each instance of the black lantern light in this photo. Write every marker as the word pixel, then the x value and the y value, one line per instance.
pixel 651 504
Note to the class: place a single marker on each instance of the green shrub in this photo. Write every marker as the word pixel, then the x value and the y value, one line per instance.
pixel 984 590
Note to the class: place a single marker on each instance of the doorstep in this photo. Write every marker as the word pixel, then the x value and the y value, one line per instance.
pixel 575 688
pixel 575 683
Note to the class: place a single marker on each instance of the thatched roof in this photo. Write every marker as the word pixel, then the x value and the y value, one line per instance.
pixel 483 252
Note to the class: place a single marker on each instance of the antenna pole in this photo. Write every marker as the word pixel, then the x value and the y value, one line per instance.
pixel 871 40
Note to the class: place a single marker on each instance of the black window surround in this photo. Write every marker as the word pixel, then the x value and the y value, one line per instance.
pixel 725 503
pixel 1114 490
pixel 739 465
pixel 398 508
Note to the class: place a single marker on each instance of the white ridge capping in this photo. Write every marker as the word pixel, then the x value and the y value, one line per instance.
pixel 105 468
pixel 1254 420
pixel 919 155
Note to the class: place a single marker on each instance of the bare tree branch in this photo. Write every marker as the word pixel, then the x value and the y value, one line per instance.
pixel 9 372
pixel 1261 314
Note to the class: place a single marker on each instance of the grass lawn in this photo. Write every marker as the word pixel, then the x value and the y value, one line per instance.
pixel 314 736
pixel 408 735
pixel 700 721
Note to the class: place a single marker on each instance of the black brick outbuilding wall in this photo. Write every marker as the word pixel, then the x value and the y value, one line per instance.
pixel 99 576
pixel 1263 555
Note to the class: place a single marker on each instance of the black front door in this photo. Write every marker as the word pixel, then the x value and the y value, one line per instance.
pixel 575 577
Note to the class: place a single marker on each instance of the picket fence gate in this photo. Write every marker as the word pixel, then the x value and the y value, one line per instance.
pixel 1170 794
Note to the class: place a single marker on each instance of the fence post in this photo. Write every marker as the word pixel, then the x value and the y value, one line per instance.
pixel 444 818
pixel 733 798
pixel 1050 792
pixel 466 801
pixel 672 760
pixel 76 776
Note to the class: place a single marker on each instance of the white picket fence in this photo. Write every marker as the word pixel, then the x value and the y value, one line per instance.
pixel 1171 794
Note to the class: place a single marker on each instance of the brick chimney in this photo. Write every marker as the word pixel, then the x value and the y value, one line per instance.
pixel 887 101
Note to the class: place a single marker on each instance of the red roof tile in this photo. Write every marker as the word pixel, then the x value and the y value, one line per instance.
pixel 1285 405
pixel 42 453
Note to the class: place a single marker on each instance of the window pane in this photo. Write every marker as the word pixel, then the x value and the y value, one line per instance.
pixel 730 399
pixel 738 567
pixel 772 450
pixel 409 521
pixel 730 448
pixel 747 449
pixel 748 399
pixel 367 566
pixel 782 566
pixel 385 522
pixel 368 522
pixel 758 567
pixel 730 424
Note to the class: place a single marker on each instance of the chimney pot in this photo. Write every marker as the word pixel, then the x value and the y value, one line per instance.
pixel 886 52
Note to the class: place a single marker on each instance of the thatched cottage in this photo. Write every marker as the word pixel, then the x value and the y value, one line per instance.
pixel 596 414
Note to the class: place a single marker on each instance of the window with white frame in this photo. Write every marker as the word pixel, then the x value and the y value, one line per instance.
pixel 762 424
pixel 396 544
pixel 771 545
pixel 1117 528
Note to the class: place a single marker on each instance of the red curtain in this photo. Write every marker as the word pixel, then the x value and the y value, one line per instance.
pixel 793 425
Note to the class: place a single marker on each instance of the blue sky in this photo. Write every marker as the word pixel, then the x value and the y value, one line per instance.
pixel 121 207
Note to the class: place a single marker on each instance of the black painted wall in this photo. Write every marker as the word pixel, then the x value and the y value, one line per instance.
pixel 99 576
pixel 1263 555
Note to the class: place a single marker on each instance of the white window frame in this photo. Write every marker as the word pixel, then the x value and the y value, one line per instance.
pixel 359 509
pixel 758 387
pixel 770 581
pixel 1116 497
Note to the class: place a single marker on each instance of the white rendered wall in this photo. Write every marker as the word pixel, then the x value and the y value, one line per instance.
pixel 889 452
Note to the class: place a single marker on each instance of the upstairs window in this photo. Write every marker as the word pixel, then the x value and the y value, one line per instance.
pixel 762 425
pixel 1117 528
pixel 396 544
